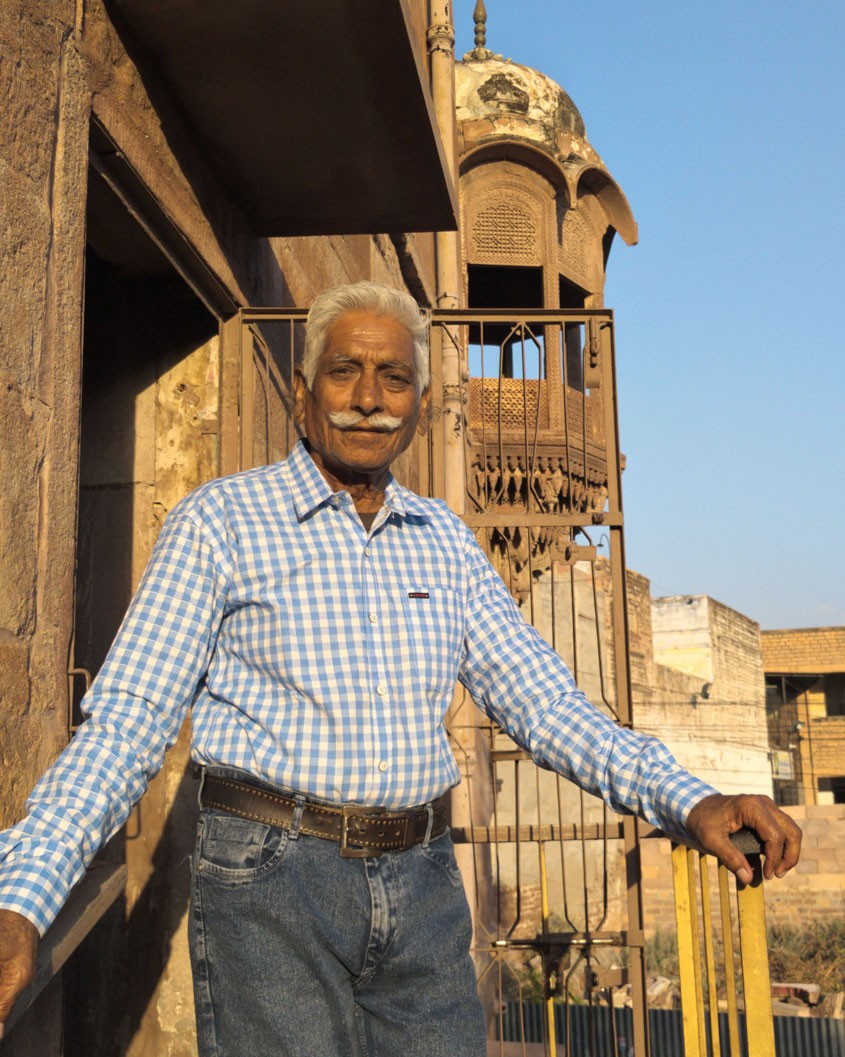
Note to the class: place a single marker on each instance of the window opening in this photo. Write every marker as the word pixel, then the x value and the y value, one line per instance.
pixel 502 351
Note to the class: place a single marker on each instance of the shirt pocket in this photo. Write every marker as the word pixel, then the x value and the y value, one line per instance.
pixel 434 632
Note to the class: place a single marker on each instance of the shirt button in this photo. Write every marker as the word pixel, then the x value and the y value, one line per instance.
pixel 366 552
pixel 373 618
pixel 381 689
pixel 383 765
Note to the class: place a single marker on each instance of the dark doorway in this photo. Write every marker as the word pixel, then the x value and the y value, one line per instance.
pixel 141 319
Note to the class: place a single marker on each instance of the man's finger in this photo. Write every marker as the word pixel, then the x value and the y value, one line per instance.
pixel 714 819
pixel 781 838
pixel 718 843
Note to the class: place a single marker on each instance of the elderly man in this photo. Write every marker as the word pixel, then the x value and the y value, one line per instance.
pixel 315 615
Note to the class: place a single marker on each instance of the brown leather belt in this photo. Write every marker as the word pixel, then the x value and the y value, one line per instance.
pixel 361 831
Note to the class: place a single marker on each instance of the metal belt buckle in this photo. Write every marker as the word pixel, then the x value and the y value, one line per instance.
pixel 348 811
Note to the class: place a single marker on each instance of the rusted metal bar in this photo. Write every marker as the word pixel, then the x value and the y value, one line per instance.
pixel 530 833
pixel 591 938
pixel 229 409
pixel 517 520
pixel 460 316
pixel 636 959
pixel 247 400
pixel 518 316
pixel 544 900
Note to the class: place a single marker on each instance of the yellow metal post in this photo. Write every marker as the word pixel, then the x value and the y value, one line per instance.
pixel 755 964
pixel 709 956
pixel 688 964
pixel 730 972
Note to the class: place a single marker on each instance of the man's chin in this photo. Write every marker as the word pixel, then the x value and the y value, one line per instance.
pixel 372 454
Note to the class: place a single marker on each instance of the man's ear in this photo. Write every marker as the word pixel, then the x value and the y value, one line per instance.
pixel 300 388
pixel 425 415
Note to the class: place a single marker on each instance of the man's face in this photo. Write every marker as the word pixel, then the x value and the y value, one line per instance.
pixel 363 407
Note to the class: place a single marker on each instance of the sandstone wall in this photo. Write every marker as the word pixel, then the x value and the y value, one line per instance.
pixel 703 692
pixel 811 650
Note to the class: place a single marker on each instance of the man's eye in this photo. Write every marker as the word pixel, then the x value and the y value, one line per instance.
pixel 398 379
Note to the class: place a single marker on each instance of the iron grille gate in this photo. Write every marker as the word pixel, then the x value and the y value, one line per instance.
pixel 554 879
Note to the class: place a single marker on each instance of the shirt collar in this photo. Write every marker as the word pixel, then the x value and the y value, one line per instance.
pixel 310 490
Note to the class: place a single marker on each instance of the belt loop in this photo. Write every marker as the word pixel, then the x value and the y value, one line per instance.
pixel 203 773
pixel 430 811
pixel 296 818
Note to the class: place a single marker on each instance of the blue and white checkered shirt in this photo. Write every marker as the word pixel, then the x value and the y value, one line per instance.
pixel 317 657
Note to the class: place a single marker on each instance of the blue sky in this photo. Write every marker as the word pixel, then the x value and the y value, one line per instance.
pixel 723 125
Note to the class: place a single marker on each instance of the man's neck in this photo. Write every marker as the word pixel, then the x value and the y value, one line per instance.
pixel 367 490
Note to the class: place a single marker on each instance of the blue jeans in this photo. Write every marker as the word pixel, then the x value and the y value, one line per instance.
pixel 298 952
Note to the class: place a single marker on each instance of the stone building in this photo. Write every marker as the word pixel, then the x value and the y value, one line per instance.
pixel 165 165
pixel 703 692
pixel 805 701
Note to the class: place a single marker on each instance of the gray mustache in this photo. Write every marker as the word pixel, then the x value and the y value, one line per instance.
pixel 352 419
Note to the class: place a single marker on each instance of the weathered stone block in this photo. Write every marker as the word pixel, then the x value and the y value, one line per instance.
pixel 22 423
pixel 14 675
pixel 826 811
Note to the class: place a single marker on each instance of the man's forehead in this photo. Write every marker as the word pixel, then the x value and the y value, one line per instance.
pixel 369 325
pixel 356 335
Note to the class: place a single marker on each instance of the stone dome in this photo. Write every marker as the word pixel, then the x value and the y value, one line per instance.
pixel 496 98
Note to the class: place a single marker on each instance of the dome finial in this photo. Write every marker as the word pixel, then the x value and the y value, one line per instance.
pixel 480 16
pixel 480 52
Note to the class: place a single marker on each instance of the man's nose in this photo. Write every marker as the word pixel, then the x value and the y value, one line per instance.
pixel 366 396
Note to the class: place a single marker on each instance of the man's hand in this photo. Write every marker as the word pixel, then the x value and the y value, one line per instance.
pixel 714 818
pixel 18 942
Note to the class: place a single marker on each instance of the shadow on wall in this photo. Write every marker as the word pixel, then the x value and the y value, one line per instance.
pixel 113 977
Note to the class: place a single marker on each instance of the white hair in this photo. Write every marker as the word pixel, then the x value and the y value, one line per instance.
pixel 365 296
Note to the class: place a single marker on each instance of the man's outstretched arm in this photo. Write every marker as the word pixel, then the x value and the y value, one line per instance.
pixel 525 686
pixel 713 819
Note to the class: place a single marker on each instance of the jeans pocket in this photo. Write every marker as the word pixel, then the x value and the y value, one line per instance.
pixel 441 852
pixel 237 850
